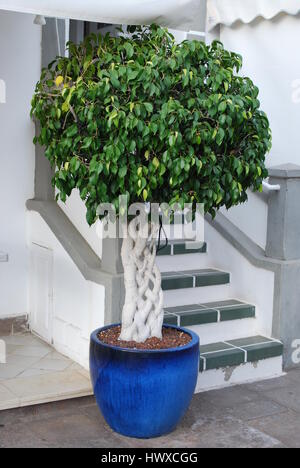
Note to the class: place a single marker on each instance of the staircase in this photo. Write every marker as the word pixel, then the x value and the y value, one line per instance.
pixel 232 351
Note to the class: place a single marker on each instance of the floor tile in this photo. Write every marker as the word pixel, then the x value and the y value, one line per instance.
pixel 249 341
pixel 49 387
pixel 260 408
pixel 57 356
pixel 52 364
pixel 237 312
pixel 19 435
pixel 217 360
pixel 221 304
pixel 198 317
pixel 25 339
pixel 284 427
pixel 170 319
pixel 288 396
pixel 34 372
pixel 31 351
pixel 214 347
pixel 15 365
pixel 7 399
pixel 235 417
pixel 263 351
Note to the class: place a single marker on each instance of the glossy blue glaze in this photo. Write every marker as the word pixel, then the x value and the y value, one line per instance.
pixel 143 393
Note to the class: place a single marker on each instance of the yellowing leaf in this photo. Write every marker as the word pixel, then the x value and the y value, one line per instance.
pixel 147 154
pixel 219 199
pixel 155 162
pixel 145 194
pixel 66 106
pixel 67 166
pixel 59 80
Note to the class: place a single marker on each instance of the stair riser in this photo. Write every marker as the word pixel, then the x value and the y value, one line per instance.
pixel 188 296
pixel 182 262
pixel 250 372
pixel 225 331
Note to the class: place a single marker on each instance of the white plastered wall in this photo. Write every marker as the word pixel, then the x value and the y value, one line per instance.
pixel 249 283
pixel 269 49
pixel 78 304
pixel 75 210
pixel 20 63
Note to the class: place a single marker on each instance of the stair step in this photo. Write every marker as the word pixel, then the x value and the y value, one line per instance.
pixel 193 278
pixel 181 247
pixel 212 312
pixel 237 352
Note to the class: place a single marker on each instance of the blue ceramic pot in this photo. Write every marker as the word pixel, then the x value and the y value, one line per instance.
pixel 143 393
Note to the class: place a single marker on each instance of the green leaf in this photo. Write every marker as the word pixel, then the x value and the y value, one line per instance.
pixel 87 142
pixel 72 131
pixel 122 171
pixel 129 50
pixel 149 107
pixel 220 136
pixel 157 120
pixel 222 106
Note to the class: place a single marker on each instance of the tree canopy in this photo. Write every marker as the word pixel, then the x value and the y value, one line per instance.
pixel 141 115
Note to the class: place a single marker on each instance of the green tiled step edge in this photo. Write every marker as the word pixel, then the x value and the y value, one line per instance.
pixel 193 279
pixel 238 352
pixel 212 312
pixel 181 248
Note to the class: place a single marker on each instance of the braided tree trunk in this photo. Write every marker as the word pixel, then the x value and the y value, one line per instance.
pixel 142 315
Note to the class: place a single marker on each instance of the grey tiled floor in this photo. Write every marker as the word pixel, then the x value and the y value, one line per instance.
pixel 259 415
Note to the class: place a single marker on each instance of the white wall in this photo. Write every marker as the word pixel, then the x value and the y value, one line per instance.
pixel 249 283
pixel 77 304
pixel 20 62
pixel 75 210
pixel 251 217
pixel 270 51
pixel 271 58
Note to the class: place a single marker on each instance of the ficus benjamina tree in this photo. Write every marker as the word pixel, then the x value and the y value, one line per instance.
pixel 142 116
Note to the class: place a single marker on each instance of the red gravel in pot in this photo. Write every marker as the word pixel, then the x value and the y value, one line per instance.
pixel 171 338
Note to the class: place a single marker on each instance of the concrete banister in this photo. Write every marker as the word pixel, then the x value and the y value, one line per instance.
pixel 283 233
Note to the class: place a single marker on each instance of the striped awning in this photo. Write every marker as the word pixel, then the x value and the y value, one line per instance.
pixel 228 12
pixel 185 15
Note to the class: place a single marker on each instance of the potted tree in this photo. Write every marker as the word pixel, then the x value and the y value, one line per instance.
pixel 156 121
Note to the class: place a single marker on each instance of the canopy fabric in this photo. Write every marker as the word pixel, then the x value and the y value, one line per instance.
pixel 228 12
pixel 177 14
